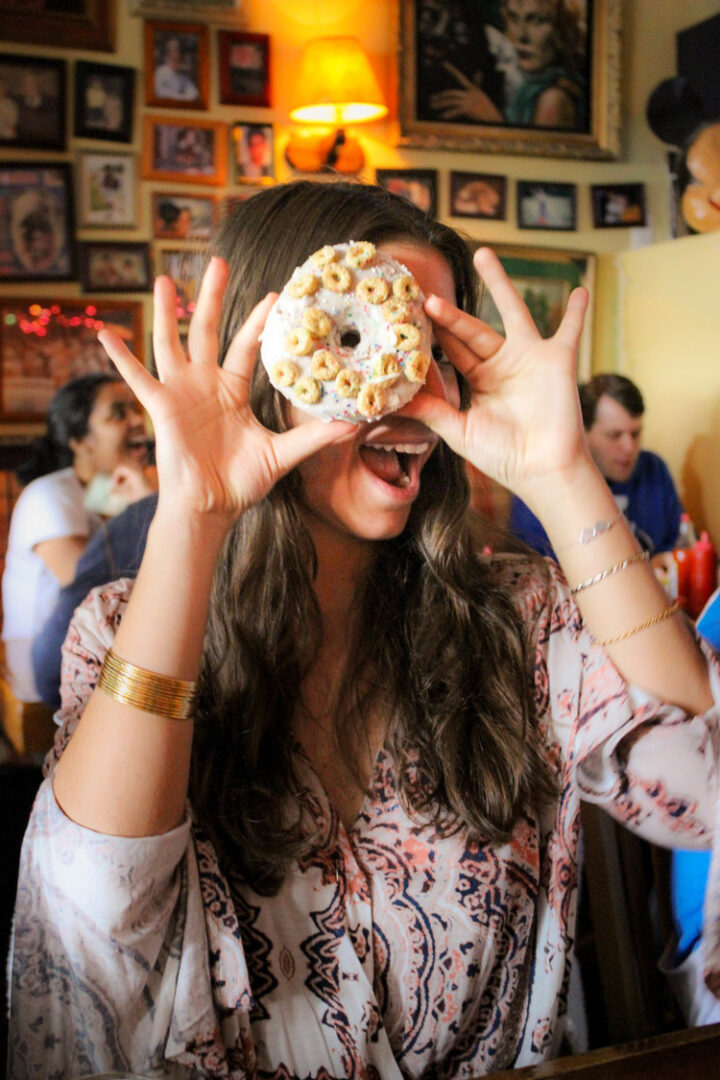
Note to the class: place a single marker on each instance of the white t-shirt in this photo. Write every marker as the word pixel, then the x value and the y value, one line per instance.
pixel 48 508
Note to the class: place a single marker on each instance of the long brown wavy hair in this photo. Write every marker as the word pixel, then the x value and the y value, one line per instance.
pixel 438 645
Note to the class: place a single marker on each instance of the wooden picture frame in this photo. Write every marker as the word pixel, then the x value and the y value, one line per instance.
pixel 177 216
pixel 185 266
pixel 107 190
pixel 463 86
pixel 177 65
pixel 107 266
pixel 477 195
pixel 91 26
pixel 32 102
pixel 36 222
pixel 183 152
pixel 543 204
pixel 244 68
pixel 618 206
pixel 46 341
pixel 104 101
pixel 254 153
pixel 418 186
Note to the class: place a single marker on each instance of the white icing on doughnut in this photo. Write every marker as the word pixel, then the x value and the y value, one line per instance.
pixel 349 316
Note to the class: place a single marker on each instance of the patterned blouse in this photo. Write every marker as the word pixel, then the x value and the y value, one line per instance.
pixel 391 952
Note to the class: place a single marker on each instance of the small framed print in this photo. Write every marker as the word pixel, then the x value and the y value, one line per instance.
pixel 115 267
pixel 185 266
pixel 418 186
pixel 36 222
pixel 182 217
pixel 477 195
pixel 618 206
pixel 32 102
pixel 177 65
pixel 244 61
pixel 108 190
pixel 177 151
pixel 542 205
pixel 254 152
pixel 104 100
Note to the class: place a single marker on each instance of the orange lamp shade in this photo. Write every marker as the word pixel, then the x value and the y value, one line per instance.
pixel 336 84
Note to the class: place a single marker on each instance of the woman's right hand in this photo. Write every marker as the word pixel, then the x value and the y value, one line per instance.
pixel 213 456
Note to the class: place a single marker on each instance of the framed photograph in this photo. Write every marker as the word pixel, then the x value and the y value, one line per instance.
pixel 618 206
pixel 254 152
pixel 113 267
pixel 244 61
pixel 67 24
pixel 108 190
pixel 191 153
pixel 32 102
pixel 511 77
pixel 419 186
pixel 541 205
pixel 185 266
pixel 229 10
pixel 177 65
pixel 545 277
pixel 36 222
pixel 182 217
pixel 478 195
pixel 104 101
pixel 46 342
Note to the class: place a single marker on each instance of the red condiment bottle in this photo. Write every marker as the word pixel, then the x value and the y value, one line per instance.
pixel 703 575
pixel 683 557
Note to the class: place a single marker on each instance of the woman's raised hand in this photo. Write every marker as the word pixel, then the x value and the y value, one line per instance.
pixel 213 456
pixel 524 421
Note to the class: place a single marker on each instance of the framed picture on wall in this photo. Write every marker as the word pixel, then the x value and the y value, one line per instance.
pixel 44 342
pixel 184 152
pixel 618 206
pixel 182 217
pixel 244 62
pixel 511 79
pixel 418 186
pixel 254 152
pixel 108 190
pixel 115 267
pixel 32 102
pixel 177 65
pixel 36 222
pixel 185 266
pixel 65 24
pixel 104 100
pixel 477 195
pixel 543 205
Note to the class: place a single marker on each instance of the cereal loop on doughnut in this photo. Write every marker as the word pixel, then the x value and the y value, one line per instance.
pixel 316 321
pixel 385 366
pixel 373 290
pixel 324 256
pixel 285 372
pixel 396 310
pixel 416 366
pixel 407 336
pixel 336 278
pixel 348 383
pixel 307 390
pixel 303 285
pixel 299 342
pixel 406 287
pixel 371 400
pixel 325 365
pixel 360 255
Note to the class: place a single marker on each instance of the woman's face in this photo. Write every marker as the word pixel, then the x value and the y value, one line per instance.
pixel 530 25
pixel 365 487
pixel 116 431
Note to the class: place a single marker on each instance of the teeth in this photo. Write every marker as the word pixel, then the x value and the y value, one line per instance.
pixel 404 448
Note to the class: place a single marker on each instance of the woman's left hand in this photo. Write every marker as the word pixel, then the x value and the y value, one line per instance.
pixel 524 424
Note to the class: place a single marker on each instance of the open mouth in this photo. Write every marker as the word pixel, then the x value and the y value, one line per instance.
pixel 397 464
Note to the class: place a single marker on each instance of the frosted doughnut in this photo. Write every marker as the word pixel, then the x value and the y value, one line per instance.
pixel 334 344
pixel 417 365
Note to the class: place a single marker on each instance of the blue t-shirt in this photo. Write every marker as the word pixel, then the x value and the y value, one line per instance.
pixel 648 499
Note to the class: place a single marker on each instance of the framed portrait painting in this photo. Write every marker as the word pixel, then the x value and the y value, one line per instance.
pixel 254 153
pixel 65 24
pixel 517 76
pixel 115 267
pixel 244 61
pixel 108 190
pixel 104 100
pixel 618 206
pixel 177 65
pixel 45 342
pixel 32 102
pixel 418 186
pixel 184 152
pixel 543 205
pixel 36 222
pixel 478 195
pixel 182 217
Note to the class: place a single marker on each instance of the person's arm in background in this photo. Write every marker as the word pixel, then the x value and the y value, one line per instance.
pixel 114 551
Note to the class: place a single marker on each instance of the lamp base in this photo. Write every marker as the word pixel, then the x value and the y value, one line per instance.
pixel 337 152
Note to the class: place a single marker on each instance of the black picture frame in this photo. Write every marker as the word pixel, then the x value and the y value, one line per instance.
pixel 418 186
pixel 109 114
pixel 547 205
pixel 478 195
pixel 618 206
pixel 32 102
pixel 115 266
pixel 37 222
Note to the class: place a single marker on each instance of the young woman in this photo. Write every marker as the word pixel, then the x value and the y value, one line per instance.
pixel 375 874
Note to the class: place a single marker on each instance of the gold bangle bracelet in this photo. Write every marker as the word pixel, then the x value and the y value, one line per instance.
pixel 163 695
pixel 662 615
pixel 639 556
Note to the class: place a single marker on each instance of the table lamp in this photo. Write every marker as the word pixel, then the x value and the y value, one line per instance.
pixel 336 85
